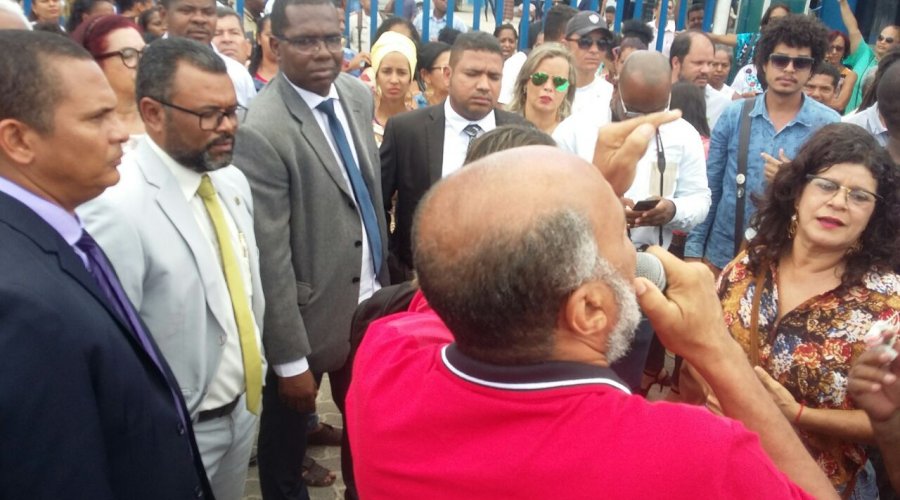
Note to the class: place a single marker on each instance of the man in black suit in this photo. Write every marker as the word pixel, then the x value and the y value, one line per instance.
pixel 88 405
pixel 422 146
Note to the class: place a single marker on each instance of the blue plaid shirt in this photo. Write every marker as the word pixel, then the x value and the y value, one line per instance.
pixel 714 237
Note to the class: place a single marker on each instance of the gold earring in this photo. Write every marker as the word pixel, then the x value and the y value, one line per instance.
pixel 792 229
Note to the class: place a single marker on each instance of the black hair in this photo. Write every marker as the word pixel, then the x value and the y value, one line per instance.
pixel 888 97
pixel 829 70
pixel 506 26
pixel 256 56
pixel 222 11
pixel 428 54
pixel 279 15
pixel 126 5
pixel 30 92
pixel 695 7
pixel 144 22
pixel 634 28
pixel 80 9
pixel 448 35
pixel 888 60
pixel 831 145
pixel 767 15
pixel 793 30
pixel 506 137
pixel 691 100
pixel 156 71
pixel 392 21
pixel 473 40
pixel 555 21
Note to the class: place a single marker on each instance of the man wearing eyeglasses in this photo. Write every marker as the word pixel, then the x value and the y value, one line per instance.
pixel 178 228
pixel 307 147
pixel 780 120
pixel 196 19
pixel 590 41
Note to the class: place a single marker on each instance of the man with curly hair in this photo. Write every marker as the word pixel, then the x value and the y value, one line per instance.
pixel 781 119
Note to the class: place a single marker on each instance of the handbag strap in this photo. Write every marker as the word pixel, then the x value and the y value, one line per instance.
pixel 754 316
pixel 741 177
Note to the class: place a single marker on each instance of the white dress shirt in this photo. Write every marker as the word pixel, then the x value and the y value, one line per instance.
pixel 684 179
pixel 229 382
pixel 240 77
pixel 511 68
pixel 870 119
pixel 456 142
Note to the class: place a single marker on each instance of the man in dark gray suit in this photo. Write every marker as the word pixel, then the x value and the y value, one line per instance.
pixel 424 145
pixel 309 153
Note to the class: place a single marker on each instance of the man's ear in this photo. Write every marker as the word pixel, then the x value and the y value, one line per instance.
pixel 18 141
pixel 590 310
pixel 153 114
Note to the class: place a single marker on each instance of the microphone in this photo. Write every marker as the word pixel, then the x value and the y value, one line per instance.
pixel 650 267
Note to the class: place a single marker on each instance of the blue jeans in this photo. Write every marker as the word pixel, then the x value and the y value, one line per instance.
pixel 866 488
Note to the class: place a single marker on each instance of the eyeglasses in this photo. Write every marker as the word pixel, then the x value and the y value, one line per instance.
pixel 209 120
pixel 311 44
pixel 801 63
pixel 855 196
pixel 435 68
pixel 836 48
pixel 585 42
pixel 886 39
pixel 559 83
pixel 130 56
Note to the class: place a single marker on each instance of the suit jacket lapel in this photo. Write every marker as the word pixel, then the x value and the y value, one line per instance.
pixel 43 235
pixel 311 133
pixel 434 142
pixel 171 201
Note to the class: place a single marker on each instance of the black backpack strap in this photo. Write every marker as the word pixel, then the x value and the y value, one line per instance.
pixel 741 177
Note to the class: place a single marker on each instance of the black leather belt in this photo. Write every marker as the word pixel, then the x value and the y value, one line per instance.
pixel 221 411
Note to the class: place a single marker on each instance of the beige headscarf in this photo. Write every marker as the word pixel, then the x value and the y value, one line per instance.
pixel 391 41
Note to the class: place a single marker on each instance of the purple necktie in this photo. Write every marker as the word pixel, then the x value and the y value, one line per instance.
pixel 106 279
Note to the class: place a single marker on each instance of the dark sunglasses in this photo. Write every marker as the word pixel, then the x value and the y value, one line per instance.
pixel 886 39
pixel 800 63
pixel 559 83
pixel 585 42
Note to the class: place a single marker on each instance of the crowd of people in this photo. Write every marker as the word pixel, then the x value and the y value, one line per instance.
pixel 489 247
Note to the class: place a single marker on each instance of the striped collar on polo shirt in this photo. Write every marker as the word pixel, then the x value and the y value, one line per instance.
pixel 547 375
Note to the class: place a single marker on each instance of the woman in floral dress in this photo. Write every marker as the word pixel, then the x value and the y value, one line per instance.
pixel 820 273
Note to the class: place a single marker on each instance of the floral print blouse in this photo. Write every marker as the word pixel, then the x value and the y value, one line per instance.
pixel 811 349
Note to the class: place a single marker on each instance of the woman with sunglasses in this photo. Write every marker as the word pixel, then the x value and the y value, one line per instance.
pixel 862 58
pixel 814 279
pixel 116 43
pixel 838 48
pixel 544 89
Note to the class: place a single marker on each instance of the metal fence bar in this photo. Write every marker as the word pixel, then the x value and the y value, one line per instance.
pixel 661 30
pixel 476 16
pixel 523 24
pixel 682 14
pixel 426 20
pixel 448 16
pixel 638 9
pixel 708 13
pixel 373 21
pixel 620 13
pixel 398 8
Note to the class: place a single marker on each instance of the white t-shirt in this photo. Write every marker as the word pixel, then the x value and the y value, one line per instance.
pixel 715 105
pixel 594 98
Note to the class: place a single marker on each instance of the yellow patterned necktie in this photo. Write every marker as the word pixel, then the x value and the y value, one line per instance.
pixel 242 314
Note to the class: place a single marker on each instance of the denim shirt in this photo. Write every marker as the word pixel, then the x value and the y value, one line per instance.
pixel 714 237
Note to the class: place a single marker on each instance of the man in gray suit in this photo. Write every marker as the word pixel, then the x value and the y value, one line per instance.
pixel 309 152
pixel 178 228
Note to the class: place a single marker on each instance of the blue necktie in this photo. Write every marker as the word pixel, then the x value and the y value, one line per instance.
pixel 363 198
pixel 102 272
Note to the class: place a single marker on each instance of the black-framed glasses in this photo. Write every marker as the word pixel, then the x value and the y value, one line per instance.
pixel 801 63
pixel 311 44
pixel 209 120
pixel 886 39
pixel 585 42
pixel 560 83
pixel 130 56
pixel 855 196
pixel 836 48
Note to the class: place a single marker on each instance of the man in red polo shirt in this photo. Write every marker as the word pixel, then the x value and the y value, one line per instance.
pixel 504 389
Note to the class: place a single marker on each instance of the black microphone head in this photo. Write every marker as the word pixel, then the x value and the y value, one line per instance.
pixel 650 267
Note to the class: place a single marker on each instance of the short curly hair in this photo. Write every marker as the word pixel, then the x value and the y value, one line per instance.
pixel 832 144
pixel 794 30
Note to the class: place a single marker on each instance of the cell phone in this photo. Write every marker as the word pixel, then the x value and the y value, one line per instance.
pixel 644 205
